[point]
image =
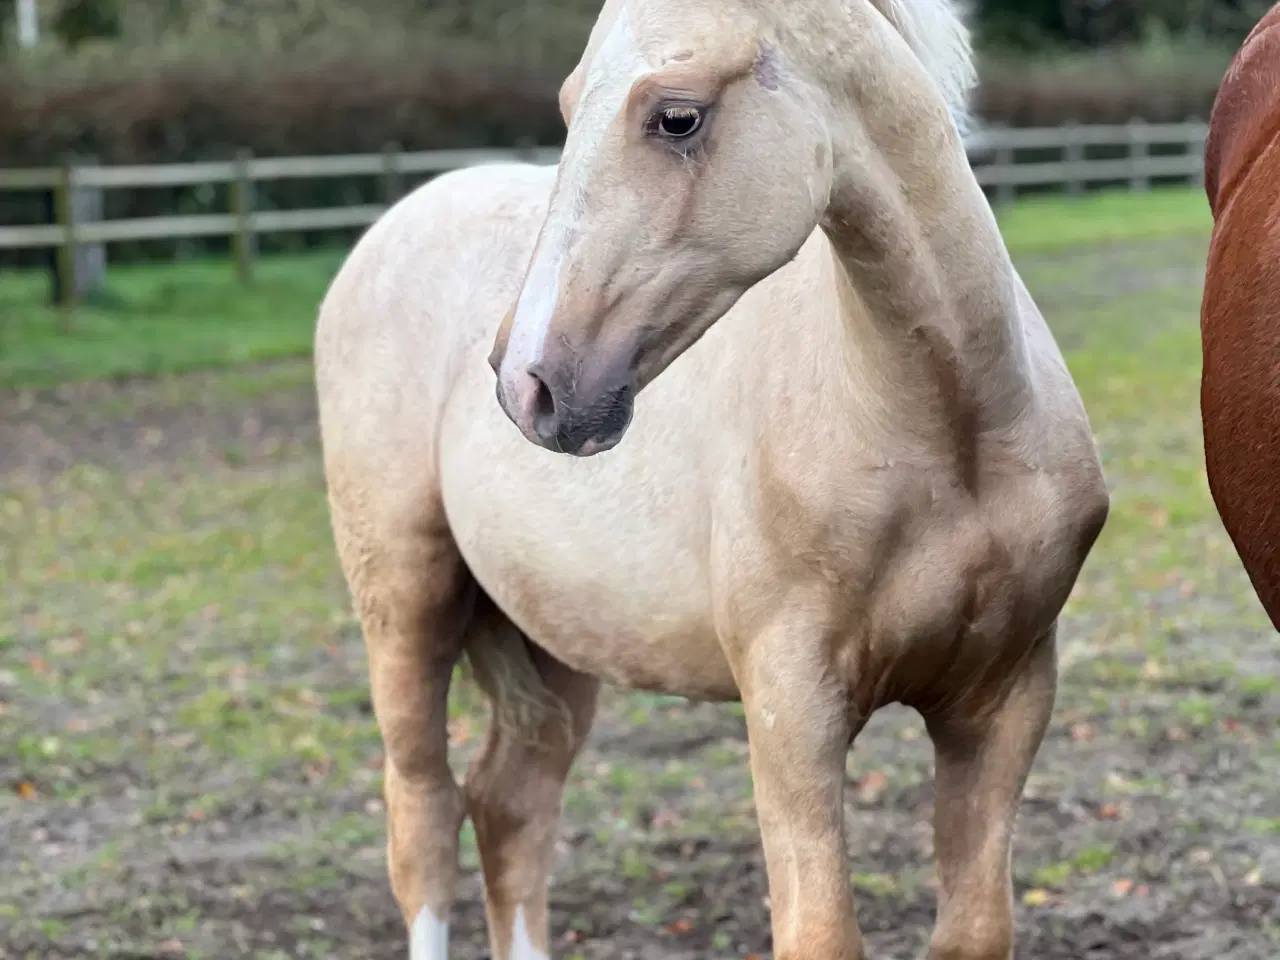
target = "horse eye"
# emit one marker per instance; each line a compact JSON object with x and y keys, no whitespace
{"x":677,"y":123}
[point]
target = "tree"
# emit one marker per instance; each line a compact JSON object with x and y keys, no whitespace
{"x":80,"y":20}
{"x":1092,"y":23}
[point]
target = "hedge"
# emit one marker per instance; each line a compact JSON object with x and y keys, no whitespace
{"x":356,"y":103}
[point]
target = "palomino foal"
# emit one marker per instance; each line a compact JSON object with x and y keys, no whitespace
{"x":1240,"y":309}
{"x":848,"y":468}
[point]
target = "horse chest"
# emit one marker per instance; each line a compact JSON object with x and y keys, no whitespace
{"x":901,"y":561}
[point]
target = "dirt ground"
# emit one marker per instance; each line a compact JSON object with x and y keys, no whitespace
{"x":190,"y":766}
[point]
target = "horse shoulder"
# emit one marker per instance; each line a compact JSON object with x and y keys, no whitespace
{"x":1246,"y":111}
{"x":1240,"y":386}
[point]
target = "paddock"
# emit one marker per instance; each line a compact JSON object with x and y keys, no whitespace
{"x":192,"y":767}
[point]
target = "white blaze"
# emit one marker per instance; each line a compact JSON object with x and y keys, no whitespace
{"x":617,"y":64}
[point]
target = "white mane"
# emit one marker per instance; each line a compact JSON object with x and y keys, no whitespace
{"x":937,"y":33}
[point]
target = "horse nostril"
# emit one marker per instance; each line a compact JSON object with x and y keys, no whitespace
{"x":546,"y":420}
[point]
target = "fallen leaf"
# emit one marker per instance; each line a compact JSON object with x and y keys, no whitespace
{"x":666,"y":817}
{"x":871,"y":787}
{"x":1109,"y":811}
{"x":1035,"y":897}
{"x":26,"y":790}
{"x":1141,"y":890}
{"x":310,"y":697}
{"x":1121,"y":887}
{"x":459,"y":729}
{"x":38,"y":665}
{"x":1081,"y":731}
{"x":1230,"y":725}
{"x":68,"y":645}
{"x":680,"y":926}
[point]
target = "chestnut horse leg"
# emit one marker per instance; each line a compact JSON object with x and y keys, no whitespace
{"x":798,"y":731}
{"x":515,"y":786}
{"x":983,"y":756}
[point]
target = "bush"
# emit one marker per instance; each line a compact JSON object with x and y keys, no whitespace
{"x":342,"y":104}
{"x":1035,"y":24}
{"x":1160,"y":81}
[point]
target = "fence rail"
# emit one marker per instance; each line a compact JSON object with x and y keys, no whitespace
{"x":993,"y":153}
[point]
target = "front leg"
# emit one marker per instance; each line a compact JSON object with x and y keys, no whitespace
{"x":984,"y":752}
{"x":798,"y":729}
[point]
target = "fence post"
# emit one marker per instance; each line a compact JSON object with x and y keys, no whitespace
{"x":1139,"y":149}
{"x":1073,"y":157}
{"x":79,"y":269}
{"x":1197,"y":133}
{"x":64,"y":215}
{"x":243,"y":240}
{"x":1006,"y":189}
{"x":392,"y":180}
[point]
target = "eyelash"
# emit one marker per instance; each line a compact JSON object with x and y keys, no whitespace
{"x":654,"y":127}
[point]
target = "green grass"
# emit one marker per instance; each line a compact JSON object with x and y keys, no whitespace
{"x":181,"y":655}
{"x":161,"y":319}
{"x":175,"y":318}
{"x":1038,"y":225}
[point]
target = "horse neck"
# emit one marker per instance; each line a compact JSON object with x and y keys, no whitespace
{"x":936,"y":295}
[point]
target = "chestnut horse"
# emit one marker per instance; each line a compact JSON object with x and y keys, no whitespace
{"x":788,"y":428}
{"x":1240,"y":310}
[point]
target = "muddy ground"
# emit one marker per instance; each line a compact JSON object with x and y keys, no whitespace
{"x":190,"y":766}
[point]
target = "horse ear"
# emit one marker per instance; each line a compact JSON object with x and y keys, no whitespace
{"x":570,"y":90}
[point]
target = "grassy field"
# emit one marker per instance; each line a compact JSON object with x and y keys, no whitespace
{"x":191,"y":766}
{"x":168,"y":320}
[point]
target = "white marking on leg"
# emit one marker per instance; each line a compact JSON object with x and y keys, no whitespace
{"x":429,"y":939}
{"x":522,"y":947}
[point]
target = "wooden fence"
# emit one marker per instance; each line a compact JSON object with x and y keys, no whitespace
{"x":1139,"y":153}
